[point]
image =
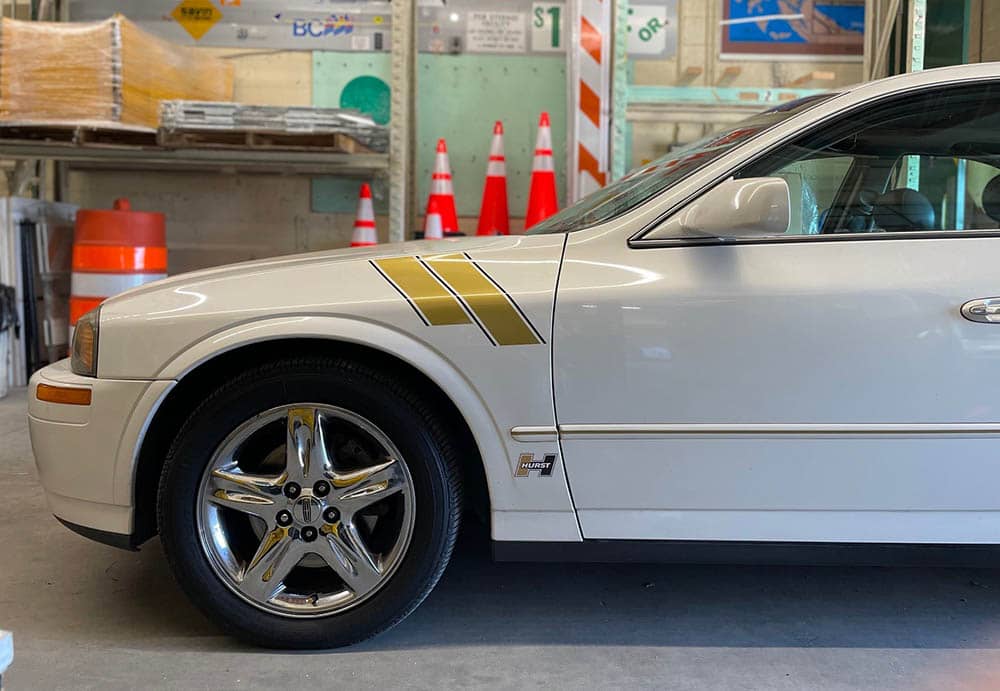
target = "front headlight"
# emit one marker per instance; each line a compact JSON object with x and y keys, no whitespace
{"x":83,"y":360}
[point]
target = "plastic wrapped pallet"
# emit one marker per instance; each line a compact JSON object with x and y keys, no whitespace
{"x":110,"y":71}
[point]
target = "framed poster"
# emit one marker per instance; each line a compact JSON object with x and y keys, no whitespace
{"x":793,"y":29}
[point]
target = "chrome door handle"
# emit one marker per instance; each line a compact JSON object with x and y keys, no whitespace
{"x":985,"y":310}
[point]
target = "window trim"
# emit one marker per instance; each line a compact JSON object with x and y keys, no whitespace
{"x":838,"y":237}
{"x":638,"y":240}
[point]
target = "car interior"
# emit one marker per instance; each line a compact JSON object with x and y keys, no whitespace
{"x":924,"y":165}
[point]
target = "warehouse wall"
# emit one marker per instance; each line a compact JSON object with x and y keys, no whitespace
{"x":697,"y":63}
{"x":219,"y":218}
{"x":984,"y":30}
{"x":459,"y":97}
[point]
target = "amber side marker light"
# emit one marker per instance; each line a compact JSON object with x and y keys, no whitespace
{"x":63,"y":394}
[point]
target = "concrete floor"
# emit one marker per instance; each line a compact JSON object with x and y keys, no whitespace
{"x":89,"y":616}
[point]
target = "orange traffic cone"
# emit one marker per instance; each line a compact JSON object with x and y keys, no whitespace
{"x":364,"y":226}
{"x":432,"y":223}
{"x":442,"y":190}
{"x":493,"y":216}
{"x":542,"y":201}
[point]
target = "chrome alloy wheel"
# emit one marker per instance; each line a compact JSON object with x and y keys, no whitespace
{"x":305,"y":510}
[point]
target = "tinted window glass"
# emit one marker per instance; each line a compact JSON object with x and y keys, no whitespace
{"x":648,"y":181}
{"x":928,"y":162}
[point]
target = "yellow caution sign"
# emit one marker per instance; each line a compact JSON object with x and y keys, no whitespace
{"x":196,"y":16}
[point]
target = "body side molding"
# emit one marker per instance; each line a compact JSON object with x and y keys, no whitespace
{"x":576,"y":431}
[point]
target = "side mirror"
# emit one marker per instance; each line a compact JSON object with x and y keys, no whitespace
{"x":751,"y":207}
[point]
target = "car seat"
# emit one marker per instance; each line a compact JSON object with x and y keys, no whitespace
{"x":991,"y":199}
{"x":903,"y":209}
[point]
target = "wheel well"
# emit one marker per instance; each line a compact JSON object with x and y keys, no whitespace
{"x":194,"y":386}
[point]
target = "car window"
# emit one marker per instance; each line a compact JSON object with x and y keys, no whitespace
{"x":920,"y":162}
{"x":648,"y":181}
{"x":910,"y":165}
{"x":812,"y":187}
{"x":955,"y":186}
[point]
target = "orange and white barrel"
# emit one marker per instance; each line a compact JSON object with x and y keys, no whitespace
{"x":114,"y":250}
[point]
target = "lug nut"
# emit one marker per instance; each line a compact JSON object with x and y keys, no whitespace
{"x":309,"y":533}
{"x":283,"y":518}
{"x":331,"y":515}
{"x":321,"y":488}
{"x":292,"y":490}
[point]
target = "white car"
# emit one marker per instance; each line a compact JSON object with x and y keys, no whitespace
{"x":781,"y":342}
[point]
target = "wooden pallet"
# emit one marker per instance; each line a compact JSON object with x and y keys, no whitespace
{"x":78,"y":134}
{"x":253,"y":139}
{"x":110,"y":134}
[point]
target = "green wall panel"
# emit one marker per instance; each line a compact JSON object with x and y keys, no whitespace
{"x":332,"y":72}
{"x":459,"y":97}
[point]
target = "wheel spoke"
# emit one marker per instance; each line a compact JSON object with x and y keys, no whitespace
{"x":252,"y":494}
{"x":366,"y":486}
{"x":264,"y":575}
{"x":345,"y":552}
{"x":307,"y":458}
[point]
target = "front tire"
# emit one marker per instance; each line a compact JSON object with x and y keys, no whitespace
{"x":310,"y":503}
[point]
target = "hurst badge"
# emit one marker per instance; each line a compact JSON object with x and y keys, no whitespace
{"x":527,"y":464}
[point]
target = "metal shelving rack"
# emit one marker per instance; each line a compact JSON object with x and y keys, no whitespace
{"x":402,"y":119}
{"x":126,"y":157}
{"x":395,"y":164}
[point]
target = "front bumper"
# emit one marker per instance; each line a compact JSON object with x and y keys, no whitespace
{"x":85,"y":454}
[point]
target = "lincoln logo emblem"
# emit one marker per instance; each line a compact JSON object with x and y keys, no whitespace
{"x":306,"y":507}
{"x":526,"y":464}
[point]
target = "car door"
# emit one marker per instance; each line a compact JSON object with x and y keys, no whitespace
{"x":818,"y":385}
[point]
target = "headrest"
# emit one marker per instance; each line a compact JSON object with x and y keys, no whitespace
{"x":903,"y":209}
{"x":991,"y":198}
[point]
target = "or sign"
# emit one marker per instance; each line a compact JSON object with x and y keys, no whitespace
{"x":793,"y":29}
{"x":496,"y":32}
{"x":547,"y":26}
{"x":196,"y":16}
{"x":652,"y":29}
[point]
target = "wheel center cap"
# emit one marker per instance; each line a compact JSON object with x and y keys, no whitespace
{"x":307,"y":509}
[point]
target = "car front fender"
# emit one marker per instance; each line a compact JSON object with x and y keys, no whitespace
{"x":522,"y":508}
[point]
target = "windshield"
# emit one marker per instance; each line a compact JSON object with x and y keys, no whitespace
{"x":648,"y":181}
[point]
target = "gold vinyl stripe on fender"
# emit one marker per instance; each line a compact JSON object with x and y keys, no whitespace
{"x":492,"y":307}
{"x":431,"y":299}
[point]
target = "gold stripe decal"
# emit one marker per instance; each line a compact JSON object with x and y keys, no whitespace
{"x":492,"y":307}
{"x":451,"y":288}
{"x":433,"y":302}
